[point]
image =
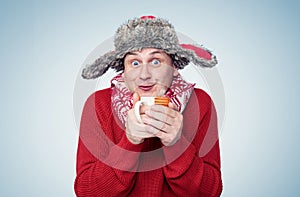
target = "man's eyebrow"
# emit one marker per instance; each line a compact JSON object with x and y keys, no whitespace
{"x":156,"y":52}
{"x":131,"y":53}
{"x":152,"y":53}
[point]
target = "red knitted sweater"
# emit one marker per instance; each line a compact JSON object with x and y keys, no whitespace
{"x":109,"y":165}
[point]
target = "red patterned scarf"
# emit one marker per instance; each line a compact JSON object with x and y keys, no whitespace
{"x":121,"y":99}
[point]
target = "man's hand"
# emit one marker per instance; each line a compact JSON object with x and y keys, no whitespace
{"x":164,"y":123}
{"x":135,"y":131}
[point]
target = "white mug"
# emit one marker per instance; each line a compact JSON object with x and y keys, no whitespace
{"x":148,"y":101}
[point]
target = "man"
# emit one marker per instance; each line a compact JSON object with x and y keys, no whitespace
{"x":160,"y":154}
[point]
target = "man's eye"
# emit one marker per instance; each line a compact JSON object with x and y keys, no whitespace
{"x":135,"y":63}
{"x":155,"y":62}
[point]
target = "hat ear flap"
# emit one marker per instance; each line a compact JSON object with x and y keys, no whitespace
{"x":200,"y":56}
{"x":99,"y":66}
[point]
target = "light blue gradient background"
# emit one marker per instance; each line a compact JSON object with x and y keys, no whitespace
{"x":44,"y":43}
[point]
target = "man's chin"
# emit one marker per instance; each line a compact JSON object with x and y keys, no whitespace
{"x":147,"y":94}
{"x":153,"y":93}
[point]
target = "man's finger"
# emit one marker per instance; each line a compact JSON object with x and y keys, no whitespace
{"x":135,"y":98}
{"x":173,"y":106}
{"x":158,"y":109}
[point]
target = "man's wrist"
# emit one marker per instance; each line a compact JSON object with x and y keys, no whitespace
{"x":134,"y":140}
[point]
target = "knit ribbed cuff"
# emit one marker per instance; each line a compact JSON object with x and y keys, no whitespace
{"x":124,"y":156}
{"x":179,"y":156}
{"x":127,"y":145}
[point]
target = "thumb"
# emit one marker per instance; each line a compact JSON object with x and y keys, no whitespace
{"x":135,"y":98}
{"x":172,"y":106}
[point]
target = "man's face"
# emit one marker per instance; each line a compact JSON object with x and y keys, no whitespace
{"x":149,"y":72}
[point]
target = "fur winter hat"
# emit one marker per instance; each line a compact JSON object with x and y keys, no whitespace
{"x":148,"y":32}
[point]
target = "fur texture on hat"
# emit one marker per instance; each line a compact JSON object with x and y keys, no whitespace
{"x":147,"y":32}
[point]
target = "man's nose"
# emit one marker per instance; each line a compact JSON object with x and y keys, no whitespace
{"x":145,"y":72}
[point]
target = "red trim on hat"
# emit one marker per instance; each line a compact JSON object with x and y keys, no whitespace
{"x":199,"y":51}
{"x":148,"y":17}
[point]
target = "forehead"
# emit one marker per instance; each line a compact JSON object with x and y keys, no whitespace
{"x":147,"y":52}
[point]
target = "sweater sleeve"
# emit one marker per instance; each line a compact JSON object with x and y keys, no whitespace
{"x":197,"y":170}
{"x":100,"y":162}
